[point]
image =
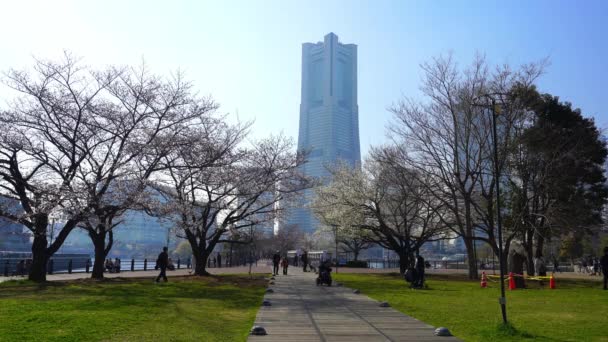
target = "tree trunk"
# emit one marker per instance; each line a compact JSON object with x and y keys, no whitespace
{"x":201,"y":263}
{"x":469,"y":244}
{"x":356,"y":255}
{"x":40,"y":257}
{"x":101,"y":252}
{"x":540,"y":245}
{"x":517,"y":267}
{"x":405,"y":260}
{"x":468,"y":239}
{"x":529,"y":246}
{"x":100,"y":258}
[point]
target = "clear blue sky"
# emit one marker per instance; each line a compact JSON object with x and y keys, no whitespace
{"x":247,"y":54}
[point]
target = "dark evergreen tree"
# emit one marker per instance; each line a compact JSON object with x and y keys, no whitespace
{"x":557,"y":180}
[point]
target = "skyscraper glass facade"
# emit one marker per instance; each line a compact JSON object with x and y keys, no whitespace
{"x":329,"y":114}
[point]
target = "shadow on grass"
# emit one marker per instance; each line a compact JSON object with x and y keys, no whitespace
{"x":234,"y":291}
{"x":562,"y":283}
{"x":509,"y":332}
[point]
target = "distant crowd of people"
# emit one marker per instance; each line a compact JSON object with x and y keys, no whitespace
{"x":590,"y":265}
{"x":23,"y":267}
{"x":299,"y":260}
{"x":596,"y":266}
{"x":112,"y":266}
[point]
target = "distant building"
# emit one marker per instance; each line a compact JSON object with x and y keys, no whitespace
{"x":138,"y":236}
{"x":14,"y":237}
{"x":329,"y":114}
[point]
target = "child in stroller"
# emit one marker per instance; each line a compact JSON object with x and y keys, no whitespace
{"x":324,"y":274}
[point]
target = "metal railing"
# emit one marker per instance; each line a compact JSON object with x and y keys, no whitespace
{"x":454,"y":265}
{"x":11,"y":266}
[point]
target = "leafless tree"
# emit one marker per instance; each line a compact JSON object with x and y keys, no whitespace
{"x":448,"y":139}
{"x":81,"y":144}
{"x":41,"y":148}
{"x":137,"y":125}
{"x":220,"y":189}
{"x":395,"y":208}
{"x":287,"y":238}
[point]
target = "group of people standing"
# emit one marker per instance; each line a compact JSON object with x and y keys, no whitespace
{"x":591,"y":265}
{"x":278,"y":260}
{"x":112,"y":266}
{"x":23,"y":267}
{"x":415,"y":275}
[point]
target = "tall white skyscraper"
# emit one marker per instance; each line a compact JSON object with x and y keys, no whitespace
{"x":329,"y":114}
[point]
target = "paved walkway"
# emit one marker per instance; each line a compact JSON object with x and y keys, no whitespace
{"x":301,"y":311}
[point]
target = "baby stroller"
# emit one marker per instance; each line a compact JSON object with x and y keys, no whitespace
{"x":411,"y":276}
{"x":324,"y":275}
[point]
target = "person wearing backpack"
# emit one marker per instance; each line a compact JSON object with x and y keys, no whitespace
{"x":162,"y":262}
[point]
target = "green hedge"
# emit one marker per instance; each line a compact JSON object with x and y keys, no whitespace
{"x":356,"y":263}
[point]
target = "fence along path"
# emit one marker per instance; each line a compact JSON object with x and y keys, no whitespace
{"x":301,"y":311}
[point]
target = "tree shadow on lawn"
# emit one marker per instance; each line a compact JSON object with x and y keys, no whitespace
{"x":233,"y":291}
{"x":510,"y":332}
{"x":561,"y":283}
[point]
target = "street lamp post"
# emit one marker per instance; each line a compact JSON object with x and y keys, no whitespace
{"x":502,"y":300}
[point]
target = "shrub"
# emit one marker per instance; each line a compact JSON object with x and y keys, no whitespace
{"x":356,"y":263}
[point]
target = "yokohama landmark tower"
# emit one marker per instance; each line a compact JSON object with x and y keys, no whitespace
{"x":329,"y":115}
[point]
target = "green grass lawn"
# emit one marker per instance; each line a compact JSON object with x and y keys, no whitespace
{"x":576,"y":311}
{"x":219,"y":308}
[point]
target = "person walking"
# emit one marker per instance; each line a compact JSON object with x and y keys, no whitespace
{"x":555,"y":265}
{"x":604,"y":264}
{"x":419,"y":272}
{"x":304,"y":260}
{"x":161,"y":262}
{"x":296,"y":258}
{"x":584,"y":265}
{"x":284,"y":264}
{"x":276,"y":259}
{"x":596,"y":266}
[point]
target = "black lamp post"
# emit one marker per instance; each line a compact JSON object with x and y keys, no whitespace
{"x":502,"y":300}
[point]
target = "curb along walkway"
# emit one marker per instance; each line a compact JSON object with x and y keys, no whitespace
{"x":301,"y":311}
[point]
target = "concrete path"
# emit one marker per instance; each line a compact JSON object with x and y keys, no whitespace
{"x":301,"y":311}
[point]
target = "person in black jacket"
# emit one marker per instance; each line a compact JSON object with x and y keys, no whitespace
{"x":604,"y":264}
{"x":161,"y":262}
{"x":276,"y":259}
{"x":304,"y":260}
{"x":419,"y":272}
